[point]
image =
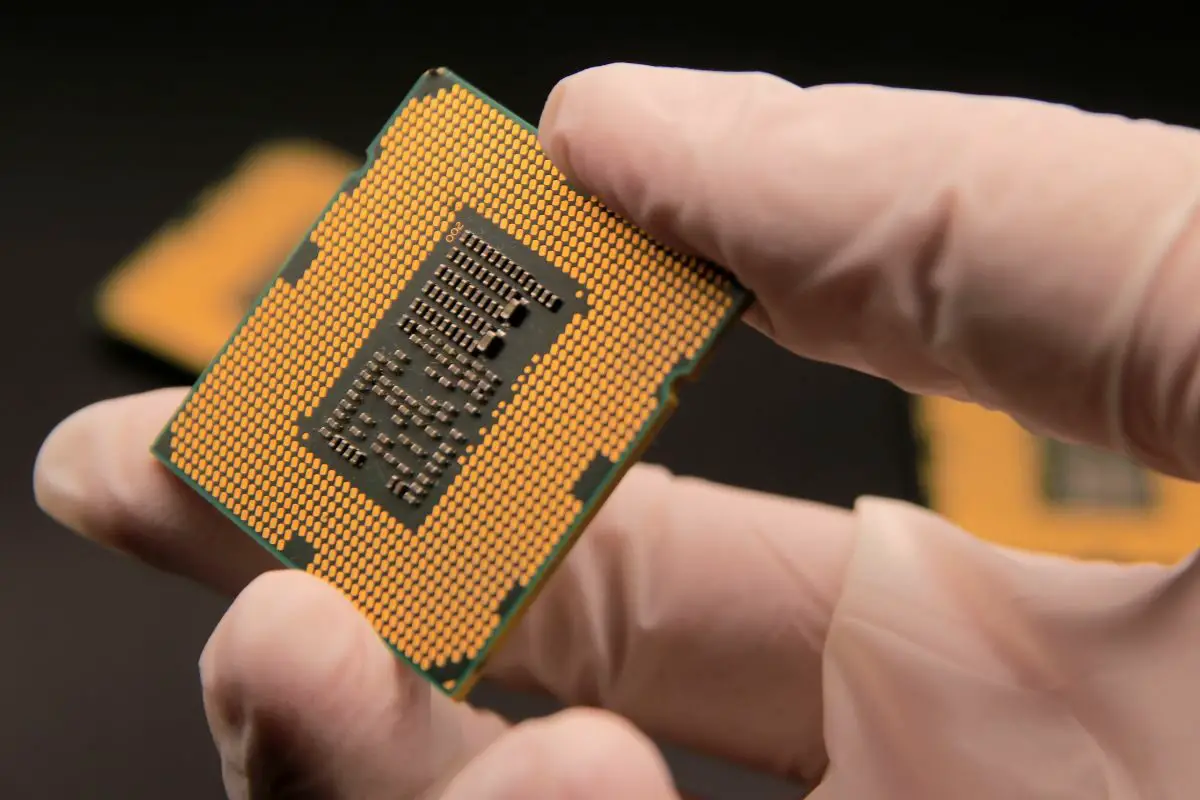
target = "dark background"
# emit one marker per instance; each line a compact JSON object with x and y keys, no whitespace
{"x":109,"y":125}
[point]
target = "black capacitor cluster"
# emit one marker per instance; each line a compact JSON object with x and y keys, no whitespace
{"x":462,"y":319}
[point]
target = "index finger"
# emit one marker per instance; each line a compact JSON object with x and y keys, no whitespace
{"x":1025,"y":256}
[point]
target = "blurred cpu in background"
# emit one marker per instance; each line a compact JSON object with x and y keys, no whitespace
{"x":991,"y":476}
{"x":184,"y":291}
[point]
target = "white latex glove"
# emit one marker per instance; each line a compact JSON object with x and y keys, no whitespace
{"x":1029,"y":257}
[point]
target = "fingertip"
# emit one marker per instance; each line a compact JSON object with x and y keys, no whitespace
{"x":583,"y":83}
{"x":79,"y":470}
{"x":588,"y":112}
{"x":556,"y":125}
{"x":288,"y":636}
{"x":54,"y":489}
{"x":649,"y":141}
{"x":95,"y":474}
{"x":594,"y":742}
{"x":578,"y":753}
{"x":610,"y":739}
{"x":295,"y":681}
{"x":297,"y":686}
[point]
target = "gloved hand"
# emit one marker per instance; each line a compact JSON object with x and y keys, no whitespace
{"x":1028,"y":257}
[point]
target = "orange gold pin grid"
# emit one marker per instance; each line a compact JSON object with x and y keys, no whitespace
{"x":434,"y":593}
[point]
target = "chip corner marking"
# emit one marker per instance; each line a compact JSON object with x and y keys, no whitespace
{"x":298,"y":551}
{"x":301,"y":259}
{"x":592,"y":478}
{"x":692,"y":363}
{"x":434,"y":78}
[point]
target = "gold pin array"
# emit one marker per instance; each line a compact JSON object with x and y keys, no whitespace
{"x":434,"y":592}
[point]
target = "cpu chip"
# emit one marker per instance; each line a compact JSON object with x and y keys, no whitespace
{"x":446,"y":379}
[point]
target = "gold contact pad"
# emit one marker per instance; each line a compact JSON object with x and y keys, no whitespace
{"x":433,"y":593}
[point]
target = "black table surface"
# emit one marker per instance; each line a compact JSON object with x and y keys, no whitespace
{"x":108,"y":126}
